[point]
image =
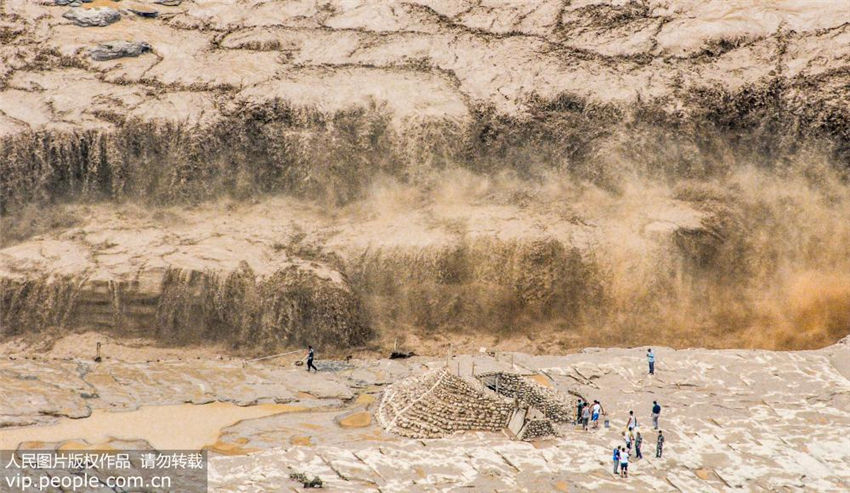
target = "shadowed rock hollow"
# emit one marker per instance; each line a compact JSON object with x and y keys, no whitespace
{"x":277,"y":172}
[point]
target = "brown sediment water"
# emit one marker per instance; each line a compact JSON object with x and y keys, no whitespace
{"x":231,"y":448}
{"x":356,"y":420}
{"x":300,"y":440}
{"x":182,"y":426}
{"x":561,"y":486}
{"x":101,"y":3}
{"x":365,"y":399}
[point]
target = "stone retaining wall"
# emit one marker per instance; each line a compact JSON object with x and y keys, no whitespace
{"x":440,"y":403}
{"x":548,"y":401}
{"x":537,"y":428}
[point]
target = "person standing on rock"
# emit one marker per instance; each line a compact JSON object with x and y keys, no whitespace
{"x":632,"y":424}
{"x":579,"y":408}
{"x":627,"y":438}
{"x":624,"y":462}
{"x":650,"y":357}
{"x":660,"y":446}
{"x":656,"y":412}
{"x":638,"y":441}
{"x":310,"y":360}
{"x":585,"y":417}
{"x":595,"y":411}
{"x":616,"y":459}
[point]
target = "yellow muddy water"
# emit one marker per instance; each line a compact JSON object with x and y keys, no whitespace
{"x":182,"y":426}
{"x":101,"y":3}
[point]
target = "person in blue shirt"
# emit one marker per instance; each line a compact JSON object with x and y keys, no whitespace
{"x":616,"y":460}
{"x":656,"y":412}
{"x":650,"y":356}
{"x":310,"y":360}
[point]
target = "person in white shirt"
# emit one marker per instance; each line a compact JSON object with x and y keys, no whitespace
{"x":624,"y":462}
{"x":632,"y":424}
{"x":596,"y":410}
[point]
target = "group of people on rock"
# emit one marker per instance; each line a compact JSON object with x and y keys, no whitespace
{"x":632,"y":437}
{"x":622,"y":453}
{"x":587,"y":413}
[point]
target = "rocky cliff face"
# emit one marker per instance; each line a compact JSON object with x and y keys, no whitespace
{"x":608,"y":172}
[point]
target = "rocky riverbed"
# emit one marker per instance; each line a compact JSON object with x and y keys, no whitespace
{"x":732,"y":419}
{"x":195,"y":183}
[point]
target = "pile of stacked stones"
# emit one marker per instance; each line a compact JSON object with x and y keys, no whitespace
{"x":537,"y":428}
{"x":549,"y":402}
{"x":438,"y":404}
{"x":401,"y":394}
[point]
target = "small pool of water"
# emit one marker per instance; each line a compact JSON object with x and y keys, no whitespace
{"x":182,"y":426}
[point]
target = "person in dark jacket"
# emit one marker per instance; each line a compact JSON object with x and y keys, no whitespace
{"x":660,"y":447}
{"x":656,"y":412}
{"x":310,"y":359}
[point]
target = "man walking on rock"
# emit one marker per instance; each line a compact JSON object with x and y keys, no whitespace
{"x":660,"y":447}
{"x":310,"y":360}
{"x":656,"y":412}
{"x":650,"y":357}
